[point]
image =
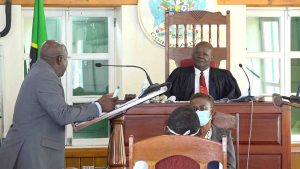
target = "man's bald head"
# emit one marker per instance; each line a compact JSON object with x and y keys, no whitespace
{"x":205,"y":45}
{"x":51,"y":49}
{"x":56,"y":55}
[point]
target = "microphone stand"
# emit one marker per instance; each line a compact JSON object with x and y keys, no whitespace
{"x":249,"y":97}
{"x":152,"y":87}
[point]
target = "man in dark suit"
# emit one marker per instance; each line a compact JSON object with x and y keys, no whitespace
{"x":202,"y":78}
{"x":204,"y":106}
{"x":36,"y":139}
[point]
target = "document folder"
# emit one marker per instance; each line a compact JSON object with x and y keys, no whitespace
{"x":120,"y":109}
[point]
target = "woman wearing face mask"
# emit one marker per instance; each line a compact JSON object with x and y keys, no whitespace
{"x":204,"y":106}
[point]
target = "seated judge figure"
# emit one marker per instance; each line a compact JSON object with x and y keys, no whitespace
{"x":36,"y":139}
{"x":186,"y":81}
{"x":204,"y":106}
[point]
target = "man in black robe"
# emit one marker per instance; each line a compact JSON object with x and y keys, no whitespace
{"x":220,"y":82}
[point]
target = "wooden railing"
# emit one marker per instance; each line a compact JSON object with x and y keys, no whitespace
{"x":78,"y":157}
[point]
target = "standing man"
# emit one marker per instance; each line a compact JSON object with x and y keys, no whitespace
{"x":36,"y":139}
{"x":202,"y":78}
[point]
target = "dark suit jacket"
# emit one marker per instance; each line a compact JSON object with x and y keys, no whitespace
{"x":221,"y":84}
{"x":37,"y":138}
{"x":217,"y":134}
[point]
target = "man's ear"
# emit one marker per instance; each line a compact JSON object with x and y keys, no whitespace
{"x":59,"y":60}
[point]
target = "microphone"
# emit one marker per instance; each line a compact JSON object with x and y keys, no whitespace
{"x":148,"y":77}
{"x":150,"y":89}
{"x":253,"y":72}
{"x":249,"y":89}
{"x":292,"y":98}
{"x":298,"y":91}
{"x":278,"y":102}
{"x":246,"y":98}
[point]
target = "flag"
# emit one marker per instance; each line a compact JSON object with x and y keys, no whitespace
{"x":39,"y":31}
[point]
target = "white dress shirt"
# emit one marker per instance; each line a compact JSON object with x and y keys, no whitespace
{"x":99,"y":108}
{"x":197,"y":79}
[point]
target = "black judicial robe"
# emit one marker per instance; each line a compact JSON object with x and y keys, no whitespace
{"x":221,"y":84}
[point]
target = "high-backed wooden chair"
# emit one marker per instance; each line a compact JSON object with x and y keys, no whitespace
{"x":230,"y":122}
{"x":184,"y":30}
{"x":154,"y":149}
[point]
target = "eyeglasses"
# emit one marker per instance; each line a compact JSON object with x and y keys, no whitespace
{"x":201,"y":107}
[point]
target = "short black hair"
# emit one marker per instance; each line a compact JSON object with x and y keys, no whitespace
{"x":204,"y":96}
{"x":182,"y":119}
{"x":204,"y":44}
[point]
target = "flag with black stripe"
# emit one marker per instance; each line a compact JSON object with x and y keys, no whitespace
{"x":39,"y":31}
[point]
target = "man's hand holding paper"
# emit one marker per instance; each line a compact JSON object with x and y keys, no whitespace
{"x":107,"y":102}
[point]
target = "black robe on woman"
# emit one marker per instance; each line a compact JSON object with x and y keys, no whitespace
{"x":221,"y":84}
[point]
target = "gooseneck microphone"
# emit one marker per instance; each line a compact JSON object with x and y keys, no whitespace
{"x":150,"y":89}
{"x":148,"y":77}
{"x":246,"y":98}
{"x":292,"y":98}
{"x":249,"y":89}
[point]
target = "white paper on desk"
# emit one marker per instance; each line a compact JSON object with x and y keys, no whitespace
{"x":120,"y":110}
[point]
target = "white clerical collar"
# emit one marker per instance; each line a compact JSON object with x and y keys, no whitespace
{"x":205,"y":72}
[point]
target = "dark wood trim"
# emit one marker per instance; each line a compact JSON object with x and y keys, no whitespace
{"x":78,"y":157}
{"x":86,"y":152}
{"x":75,"y":3}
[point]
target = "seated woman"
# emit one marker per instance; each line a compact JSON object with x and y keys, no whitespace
{"x":204,"y":106}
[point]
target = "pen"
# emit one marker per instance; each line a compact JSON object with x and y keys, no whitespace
{"x":116,"y":93}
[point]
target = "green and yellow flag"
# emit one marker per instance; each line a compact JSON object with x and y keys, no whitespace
{"x":39,"y":31}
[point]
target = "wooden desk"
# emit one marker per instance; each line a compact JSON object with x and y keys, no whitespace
{"x":271,"y":133}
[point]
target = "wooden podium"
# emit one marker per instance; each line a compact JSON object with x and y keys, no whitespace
{"x":271,"y":132}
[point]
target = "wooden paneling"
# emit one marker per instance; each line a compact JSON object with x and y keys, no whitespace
{"x":261,"y":161}
{"x":268,"y":125}
{"x":286,"y":2}
{"x":270,"y":142}
{"x":76,"y":3}
{"x":295,"y":159}
{"x":72,"y":162}
{"x":78,"y":157}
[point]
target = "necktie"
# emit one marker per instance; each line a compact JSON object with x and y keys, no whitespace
{"x":202,"y":86}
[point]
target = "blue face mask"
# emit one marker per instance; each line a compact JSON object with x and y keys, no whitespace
{"x":204,"y":116}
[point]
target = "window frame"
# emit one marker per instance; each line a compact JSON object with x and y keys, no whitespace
{"x":277,"y":12}
{"x":66,"y":15}
{"x":293,"y":12}
{"x":285,"y":42}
